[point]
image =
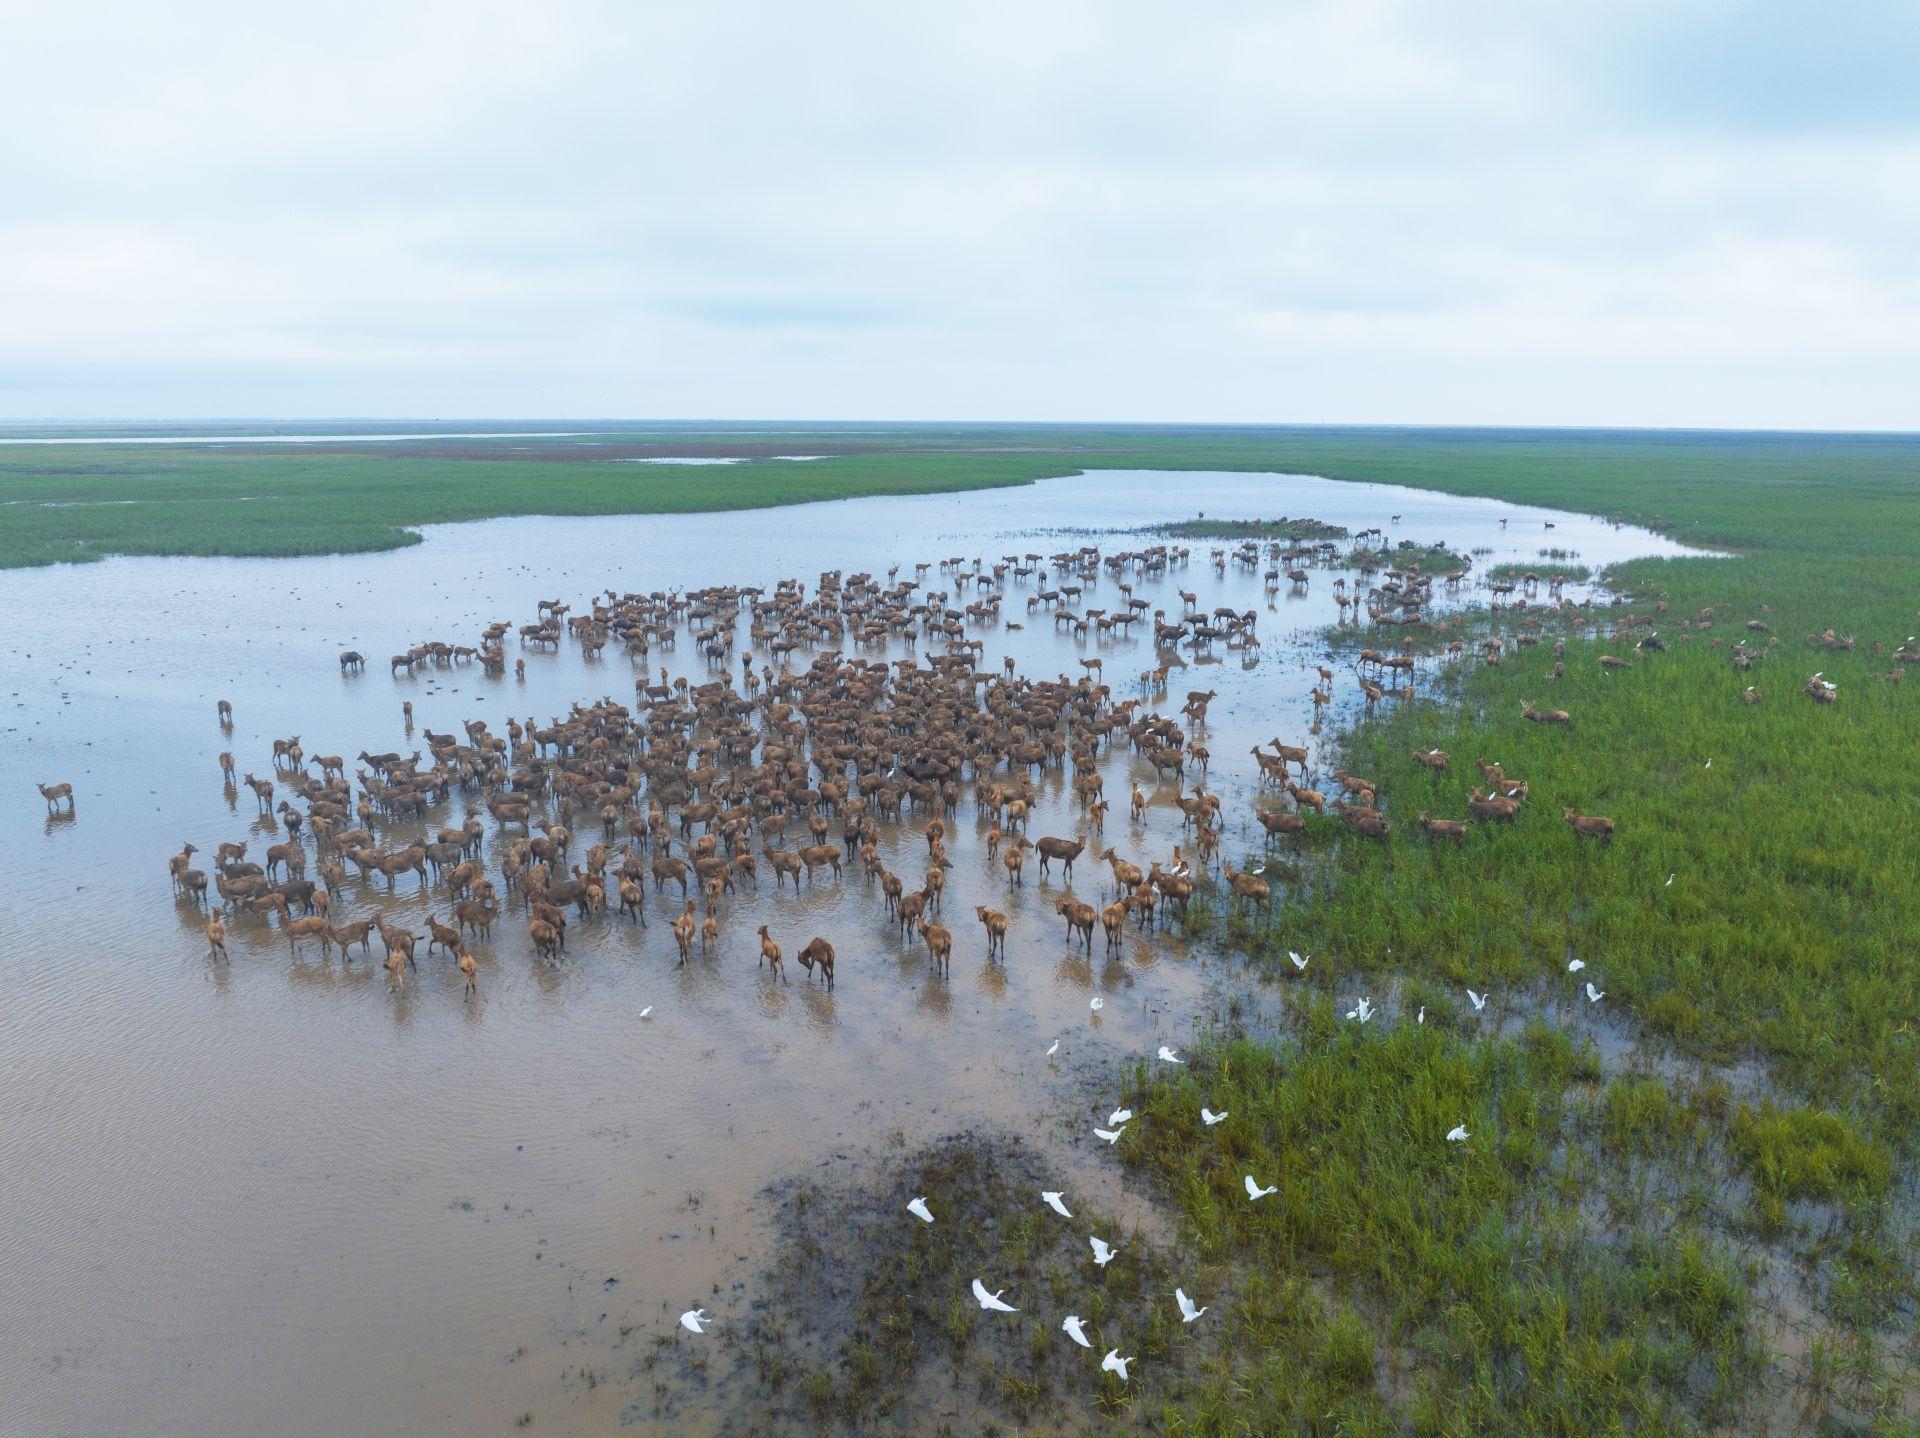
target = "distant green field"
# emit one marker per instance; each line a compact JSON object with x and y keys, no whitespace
{"x":80,"y":503}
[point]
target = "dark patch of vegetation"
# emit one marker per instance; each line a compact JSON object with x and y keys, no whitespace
{"x":1290,"y":531}
{"x":867,"y":1310}
{"x":1427,"y":558}
{"x":1545,"y":573}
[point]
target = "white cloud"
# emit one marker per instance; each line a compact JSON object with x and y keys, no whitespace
{"x":1332,"y":211}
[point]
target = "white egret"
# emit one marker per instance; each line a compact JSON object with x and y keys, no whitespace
{"x":1479,"y":1000}
{"x":1595,"y":995}
{"x":1170,"y":1056}
{"x":1118,"y":1117}
{"x":1458,"y":1134}
{"x":1114,"y":1363}
{"x":1054,"y":1049}
{"x":1053,"y":1201}
{"x":1102,"y":1252}
{"x":1361,"y":1011}
{"x":990,"y":1302}
{"x":1254,"y":1191}
{"x":693,"y":1318}
{"x":1209,"y":1117}
{"x":1110,"y":1135}
{"x":1670,"y":879}
{"x":1075,"y":1328}
{"x":1299,"y":960}
{"x":1187,"y":1311}
{"x":918,"y":1208}
{"x":1097,"y":1004}
{"x":646,"y":1011}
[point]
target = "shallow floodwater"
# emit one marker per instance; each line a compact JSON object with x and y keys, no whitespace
{"x":273,"y":1196}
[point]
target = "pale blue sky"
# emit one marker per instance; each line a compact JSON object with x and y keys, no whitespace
{"x":1474,"y":212}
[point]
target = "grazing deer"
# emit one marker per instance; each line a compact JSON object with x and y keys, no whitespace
{"x":1249,"y":888}
{"x":1590,"y":826}
{"x":817,"y":954}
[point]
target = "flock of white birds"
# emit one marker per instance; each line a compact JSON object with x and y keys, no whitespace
{"x":698,"y":1320}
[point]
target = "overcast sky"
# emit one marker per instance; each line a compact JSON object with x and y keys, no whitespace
{"x":1606,"y":213}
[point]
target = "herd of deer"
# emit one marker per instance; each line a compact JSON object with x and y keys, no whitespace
{"x":700,"y":785}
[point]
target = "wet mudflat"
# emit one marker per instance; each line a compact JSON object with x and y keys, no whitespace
{"x":275,"y":1196}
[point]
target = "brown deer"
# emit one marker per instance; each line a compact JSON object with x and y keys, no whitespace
{"x":1455,"y":829}
{"x":1079,"y":919}
{"x":1289,"y":754}
{"x":633,"y":895}
{"x":910,"y":909}
{"x":1176,"y":888}
{"x":939,"y":946}
{"x":54,"y":793}
{"x":1249,"y":888}
{"x":1065,"y":850}
{"x":1483,"y":807}
{"x":217,"y":933}
{"x":309,"y":928}
{"x":1588,"y":825}
{"x":546,"y":939}
{"x":821,"y":856}
{"x":817,"y":954}
{"x":1278,"y":821}
{"x":1143,"y":901}
{"x":1113,"y":918}
{"x":1126,"y":877}
{"x":770,"y":956}
{"x":470,"y":971}
{"x":995,"y":924}
{"x":1545,"y":716}
{"x":1015,"y":858}
{"x":684,"y":929}
{"x":1308,"y":798}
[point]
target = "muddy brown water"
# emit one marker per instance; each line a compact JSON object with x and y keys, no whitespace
{"x":274,"y":1196}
